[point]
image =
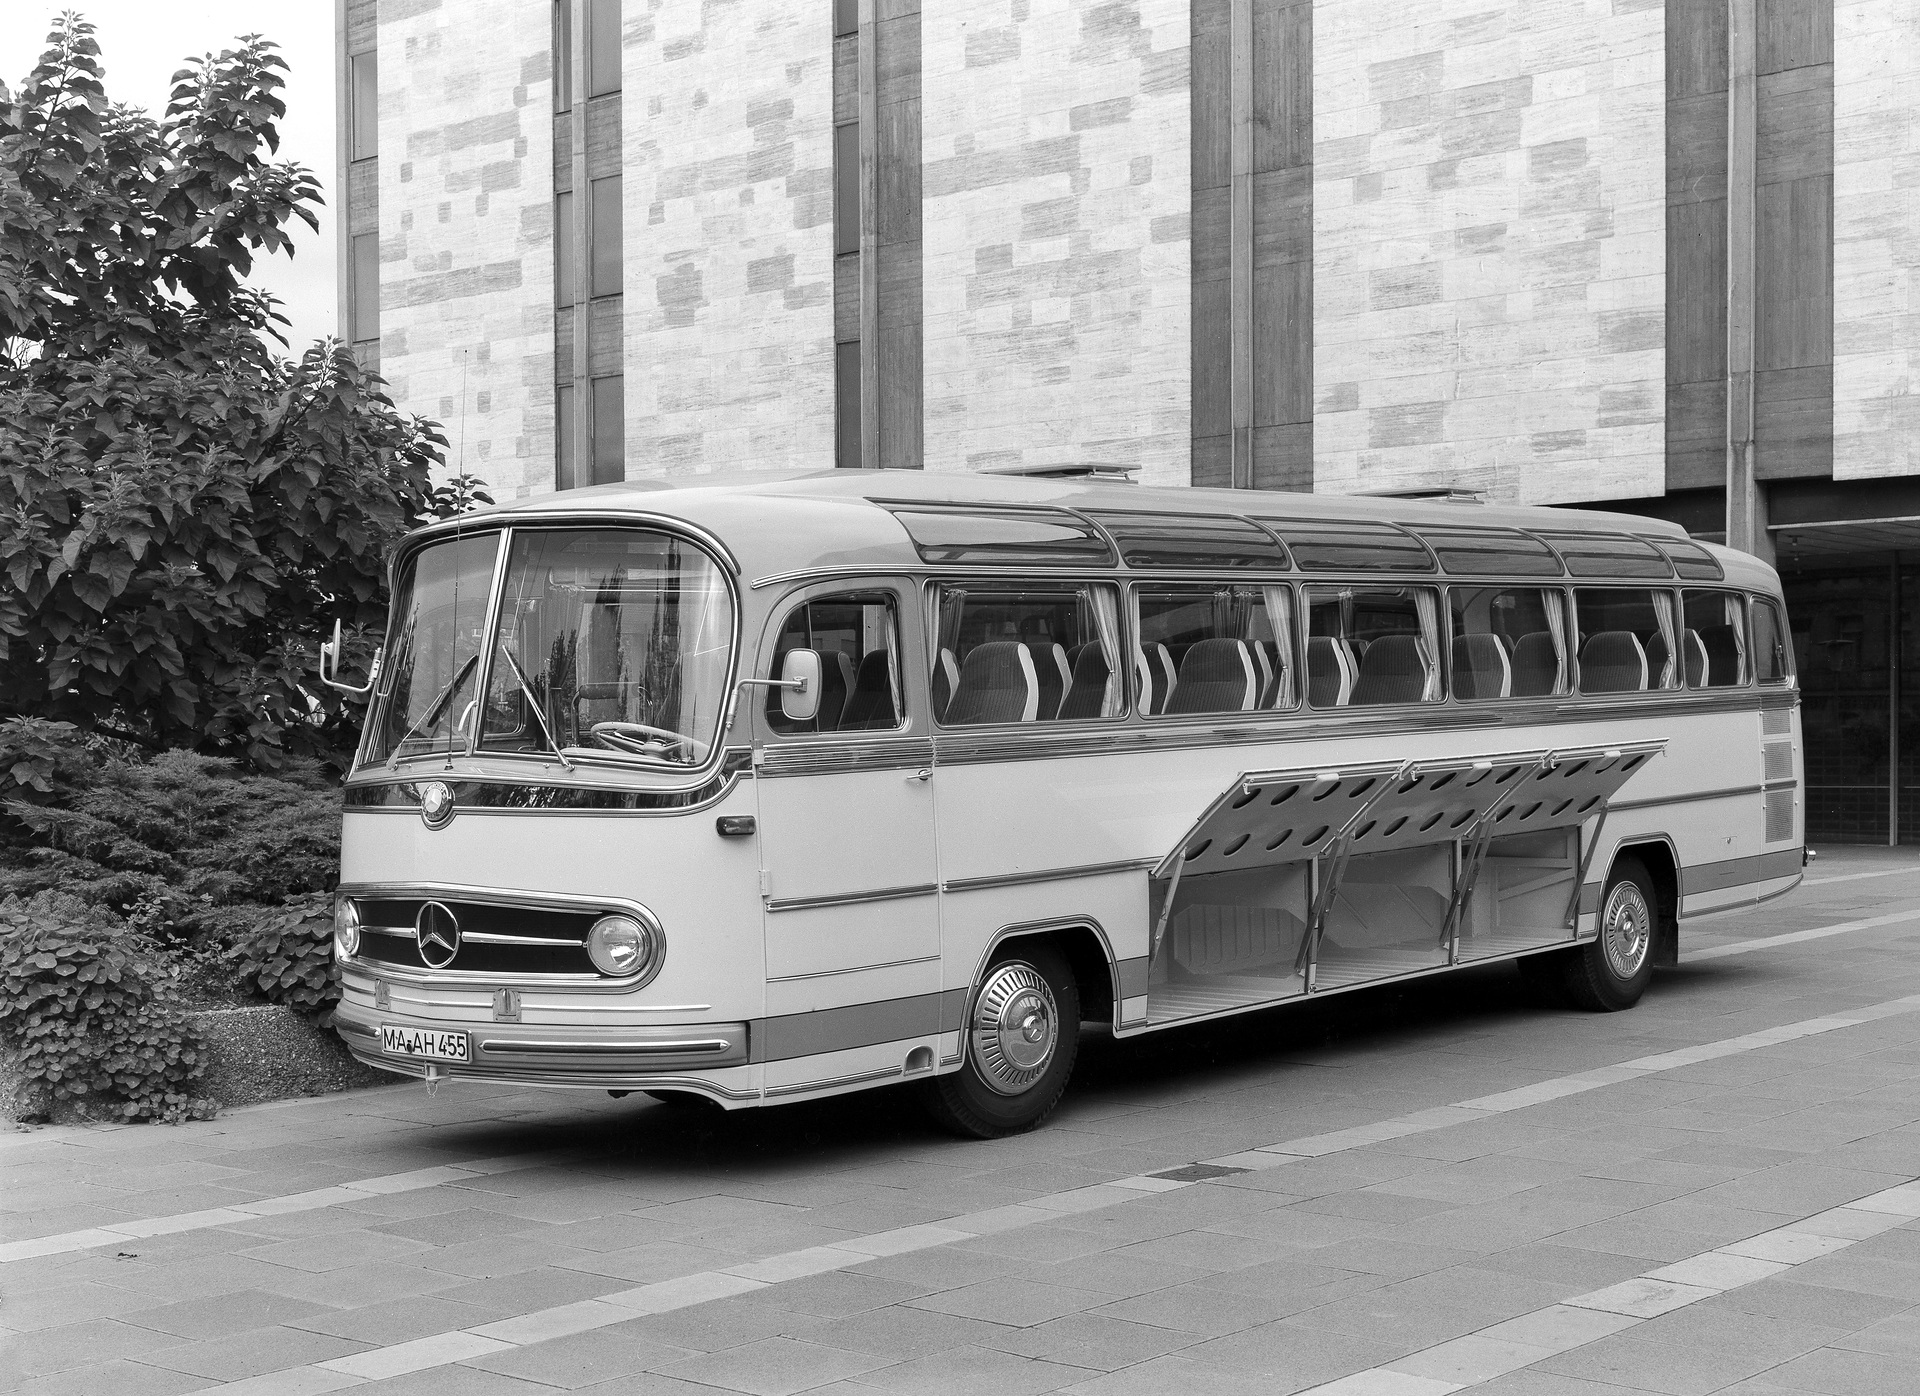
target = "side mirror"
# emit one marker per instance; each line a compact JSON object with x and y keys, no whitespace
{"x":800,"y":685}
{"x":330,"y":666}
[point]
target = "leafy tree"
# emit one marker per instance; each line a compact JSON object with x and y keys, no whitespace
{"x":183,"y":512}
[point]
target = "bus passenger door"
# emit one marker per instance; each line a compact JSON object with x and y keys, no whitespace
{"x":848,"y":878}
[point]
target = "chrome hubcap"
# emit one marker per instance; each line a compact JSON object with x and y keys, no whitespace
{"x":1015,"y":1028}
{"x":1626,"y":930}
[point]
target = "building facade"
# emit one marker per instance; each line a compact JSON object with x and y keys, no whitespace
{"x":1651,"y":254}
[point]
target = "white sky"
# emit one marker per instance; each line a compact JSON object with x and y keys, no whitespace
{"x":142,"y":44}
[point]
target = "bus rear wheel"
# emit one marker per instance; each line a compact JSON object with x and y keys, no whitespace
{"x":1021,"y":1037}
{"x":1610,"y":972}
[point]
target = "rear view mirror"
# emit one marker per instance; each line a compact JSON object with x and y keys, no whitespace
{"x":800,"y":685}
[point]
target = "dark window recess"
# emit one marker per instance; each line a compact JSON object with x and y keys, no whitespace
{"x":1609,"y":555}
{"x":857,"y":639}
{"x":609,"y":429}
{"x":563,"y":477}
{"x":1190,"y":540}
{"x":563,"y":273}
{"x":846,"y":188}
{"x":1693,"y":562}
{"x":562,"y":55}
{"x":1491,"y":552}
{"x":846,"y":17}
{"x":846,"y":405}
{"x":603,"y":47}
{"x":1027,"y":538}
{"x":1351,"y":547}
{"x":604,"y":237}
{"x":364,"y":99}
{"x":366,"y":287}
{"x":1772,"y":652}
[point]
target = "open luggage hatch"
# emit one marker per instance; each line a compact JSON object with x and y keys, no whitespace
{"x":1309,"y":879}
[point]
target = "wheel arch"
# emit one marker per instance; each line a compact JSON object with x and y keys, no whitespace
{"x":1656,"y":854}
{"x":1082,"y":942}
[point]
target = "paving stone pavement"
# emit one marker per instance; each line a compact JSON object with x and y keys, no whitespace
{"x":1445,"y":1188}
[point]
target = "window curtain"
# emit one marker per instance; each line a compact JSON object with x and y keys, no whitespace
{"x":1736,"y":622}
{"x":1426,"y":602}
{"x":892,"y":640}
{"x":1663,"y":608}
{"x":1556,"y":607}
{"x":1142,"y":671}
{"x":1279,"y":604}
{"x":1106,"y":619}
{"x":946,"y":632}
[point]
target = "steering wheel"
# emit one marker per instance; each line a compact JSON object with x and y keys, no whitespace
{"x":621,"y":737}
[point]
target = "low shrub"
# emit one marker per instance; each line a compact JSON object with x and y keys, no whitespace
{"x":82,"y":1014}
{"x":288,"y":956}
{"x":178,"y":842}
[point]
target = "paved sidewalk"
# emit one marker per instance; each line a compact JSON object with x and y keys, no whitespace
{"x":1411,"y":1192}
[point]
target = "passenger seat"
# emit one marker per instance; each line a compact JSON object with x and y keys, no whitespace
{"x":1330,"y":672}
{"x":1612,"y":661}
{"x":997,"y":684}
{"x":1481,"y":668}
{"x":1393,"y":670}
{"x":1216,"y":676}
{"x":1535,"y":665}
{"x":1087,"y":692}
{"x":871,"y":705}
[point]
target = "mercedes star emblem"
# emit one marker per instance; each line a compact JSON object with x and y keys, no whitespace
{"x":436,"y":804}
{"x":436,"y":930}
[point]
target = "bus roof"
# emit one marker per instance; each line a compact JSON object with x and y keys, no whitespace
{"x":776,"y":522}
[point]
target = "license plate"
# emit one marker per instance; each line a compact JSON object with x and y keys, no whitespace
{"x":423,"y":1042}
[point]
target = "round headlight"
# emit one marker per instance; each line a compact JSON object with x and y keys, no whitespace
{"x":346,"y":926}
{"x":621,"y":946}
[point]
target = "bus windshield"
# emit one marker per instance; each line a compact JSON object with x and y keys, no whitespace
{"x":610,"y":641}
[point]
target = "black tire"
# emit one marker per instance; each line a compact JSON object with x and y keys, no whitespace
{"x":1009,"y":1081}
{"x":1611,"y":971}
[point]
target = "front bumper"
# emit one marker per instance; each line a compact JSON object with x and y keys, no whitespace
{"x":628,"y":1057}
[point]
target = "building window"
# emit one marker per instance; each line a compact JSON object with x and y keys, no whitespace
{"x":603,"y":238}
{"x":846,"y":188}
{"x":846,"y":18}
{"x":603,"y":47}
{"x":609,"y":429}
{"x":563,"y":436}
{"x":846,"y":405}
{"x":562,"y":55}
{"x":366,"y":287}
{"x":563,"y":269}
{"x":363,"y":103}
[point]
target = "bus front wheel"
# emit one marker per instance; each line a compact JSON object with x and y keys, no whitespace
{"x":1021,"y":1037}
{"x":1611,"y":971}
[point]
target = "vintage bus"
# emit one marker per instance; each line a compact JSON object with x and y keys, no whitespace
{"x":781,"y":786}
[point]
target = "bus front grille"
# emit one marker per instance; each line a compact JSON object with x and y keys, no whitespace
{"x":493,"y":939}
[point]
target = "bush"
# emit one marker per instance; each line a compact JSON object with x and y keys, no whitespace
{"x":288,"y":956}
{"x":174,"y":842}
{"x":79,"y":1011}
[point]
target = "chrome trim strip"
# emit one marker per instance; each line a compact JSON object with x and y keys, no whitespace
{"x":1740,"y":906}
{"x":881,"y":894}
{"x":795,"y":1089}
{"x":975,"y":884}
{"x":489,"y":938}
{"x":591,"y":1049}
{"x":598,"y":1082}
{"x":1693,"y":797}
{"x":829,"y":757}
{"x":854,"y":969}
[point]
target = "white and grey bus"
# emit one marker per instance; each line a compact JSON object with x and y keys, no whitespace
{"x":778,"y":787}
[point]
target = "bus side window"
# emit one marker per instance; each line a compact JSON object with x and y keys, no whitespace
{"x":1769,"y":647}
{"x":1372,"y":645}
{"x":1713,"y":639}
{"x":1628,"y":640}
{"x":857,"y":637}
{"x":1018,"y":653}
{"x":1508,"y":642}
{"x":1214,"y":649}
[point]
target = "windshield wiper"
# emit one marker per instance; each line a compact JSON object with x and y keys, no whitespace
{"x":532,"y":702}
{"x":434,"y":709}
